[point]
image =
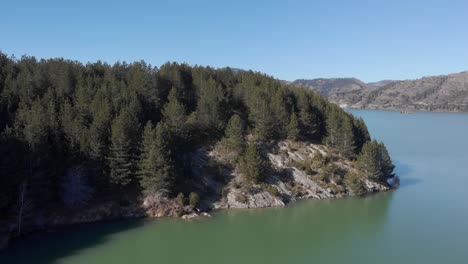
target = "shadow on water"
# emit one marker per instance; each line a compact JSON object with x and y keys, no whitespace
{"x":42,"y":248}
{"x":403,"y":171}
{"x":318,"y":227}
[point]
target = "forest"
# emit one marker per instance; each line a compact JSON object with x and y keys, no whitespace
{"x":97,"y":130}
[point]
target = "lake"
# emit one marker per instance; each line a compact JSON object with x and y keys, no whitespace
{"x":424,"y":221}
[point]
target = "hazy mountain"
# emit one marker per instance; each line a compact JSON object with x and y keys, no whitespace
{"x":434,"y":93}
{"x":379,"y":83}
{"x":327,"y":87}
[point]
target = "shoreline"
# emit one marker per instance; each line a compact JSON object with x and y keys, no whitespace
{"x":402,"y":110}
{"x":289,"y":179}
{"x":8,"y":239}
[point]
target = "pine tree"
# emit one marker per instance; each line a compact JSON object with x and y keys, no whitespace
{"x":293,"y":127}
{"x":375,"y":161}
{"x":252,"y":164}
{"x":122,"y":151}
{"x":262,"y":117}
{"x":157,"y":172}
{"x":174,"y":113}
{"x":280,"y":114}
{"x":386,"y":163}
{"x":100,"y":131}
{"x":234,"y":133}
{"x":210,"y":107}
{"x":308,"y":117}
{"x":333,"y":128}
{"x":369,"y":160}
{"x":346,"y":145}
{"x":147,"y":140}
{"x":361,"y":133}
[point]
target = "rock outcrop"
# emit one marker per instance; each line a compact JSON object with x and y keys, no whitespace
{"x":286,"y":182}
{"x":290,"y":178}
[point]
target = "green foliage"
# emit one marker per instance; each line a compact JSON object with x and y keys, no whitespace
{"x":361,"y":133}
{"x":122,"y":151}
{"x":340,"y":133}
{"x":354,"y":181}
{"x":252,"y":164}
{"x":329,"y":171}
{"x":375,"y":161}
{"x":211,"y":106}
{"x":271,"y":189}
{"x":304,"y":165}
{"x":181,"y":198}
{"x":234,"y":134}
{"x":174,"y":113}
{"x":261,"y":117}
{"x":319,"y":160}
{"x":194,"y":199}
{"x":156,"y":169}
{"x":279,"y":104}
{"x":57,"y":114}
{"x":293,"y":127}
{"x":309,"y":117}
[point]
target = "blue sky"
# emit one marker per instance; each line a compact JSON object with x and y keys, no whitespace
{"x":370,"y":40}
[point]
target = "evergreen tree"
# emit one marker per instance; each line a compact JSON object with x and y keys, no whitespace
{"x":293,"y":127}
{"x":340,"y":132}
{"x":56,"y":115}
{"x":252,"y":164}
{"x":280,"y":114}
{"x":157,"y":173}
{"x":368,"y":160}
{"x":122,"y":155}
{"x":386,"y":163}
{"x":100,"y":132}
{"x":375,"y":161}
{"x":308,"y":117}
{"x":210,"y":107}
{"x":333,"y":128}
{"x":147,"y":140}
{"x":346,"y":145}
{"x":361,"y":133}
{"x":234,"y":133}
{"x":174,"y":113}
{"x":261,"y":116}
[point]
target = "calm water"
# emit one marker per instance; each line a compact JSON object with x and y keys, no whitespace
{"x":424,"y":221}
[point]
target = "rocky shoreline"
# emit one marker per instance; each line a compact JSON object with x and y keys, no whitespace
{"x":286,"y":182}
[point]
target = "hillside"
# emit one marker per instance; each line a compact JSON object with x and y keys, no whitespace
{"x":329,"y":87}
{"x":82,"y":143}
{"x":434,"y":93}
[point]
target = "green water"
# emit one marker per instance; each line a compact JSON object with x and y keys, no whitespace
{"x":424,"y":221}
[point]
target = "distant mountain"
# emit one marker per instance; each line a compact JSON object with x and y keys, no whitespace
{"x":434,"y":93}
{"x":379,"y":83}
{"x":327,"y":87}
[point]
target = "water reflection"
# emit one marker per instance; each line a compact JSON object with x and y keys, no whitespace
{"x":46,"y":248}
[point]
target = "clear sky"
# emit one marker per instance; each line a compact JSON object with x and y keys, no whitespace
{"x":370,"y":40}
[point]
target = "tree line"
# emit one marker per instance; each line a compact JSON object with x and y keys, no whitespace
{"x":71,"y":131}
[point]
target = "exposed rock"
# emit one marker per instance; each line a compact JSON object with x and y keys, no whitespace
{"x":160,"y":206}
{"x":205,"y":214}
{"x":190,"y":216}
{"x":372,"y":187}
{"x":257,"y":200}
{"x":297,"y":184}
{"x":285,"y":182}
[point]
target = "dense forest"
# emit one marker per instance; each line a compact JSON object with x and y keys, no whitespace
{"x":71,"y":132}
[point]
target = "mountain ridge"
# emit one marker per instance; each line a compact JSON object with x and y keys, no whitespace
{"x":447,"y":92}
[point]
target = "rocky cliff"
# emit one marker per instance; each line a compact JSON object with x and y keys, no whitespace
{"x":297,"y":170}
